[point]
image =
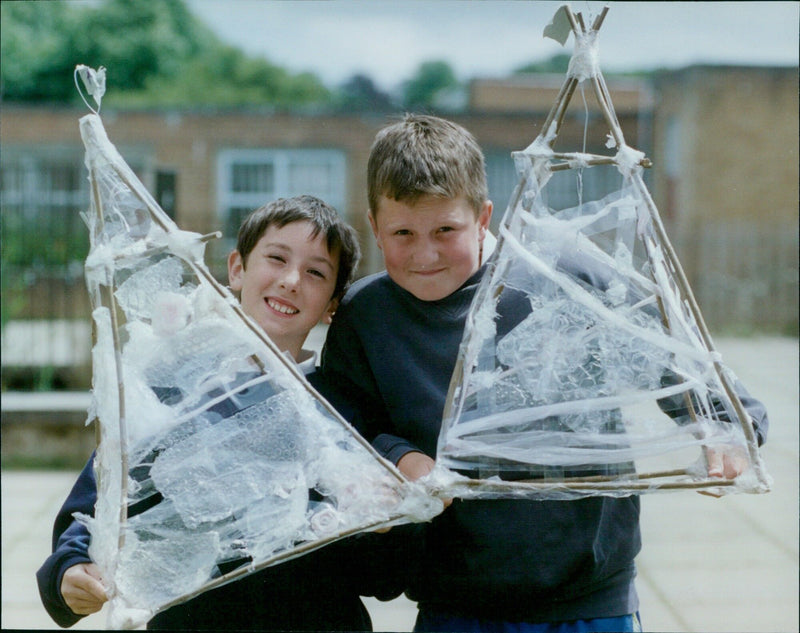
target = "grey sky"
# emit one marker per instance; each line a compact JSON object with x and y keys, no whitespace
{"x":389,"y":39}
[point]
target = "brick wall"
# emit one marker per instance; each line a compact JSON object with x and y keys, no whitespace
{"x":726,"y":182}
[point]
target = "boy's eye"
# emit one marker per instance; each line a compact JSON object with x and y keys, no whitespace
{"x":316,"y":273}
{"x":277,"y":258}
{"x":446,"y":229}
{"x":402,"y":232}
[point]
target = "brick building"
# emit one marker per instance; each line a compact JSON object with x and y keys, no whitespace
{"x":723,"y":142}
{"x":726,"y":182}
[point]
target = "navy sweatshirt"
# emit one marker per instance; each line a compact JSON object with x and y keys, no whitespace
{"x":391,"y":357}
{"x":318,"y":591}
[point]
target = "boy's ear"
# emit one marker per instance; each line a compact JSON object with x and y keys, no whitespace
{"x":327,"y":316}
{"x":235,"y":269}
{"x":484,"y":218}
{"x":374,"y":226}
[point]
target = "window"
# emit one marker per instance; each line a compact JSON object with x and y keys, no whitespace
{"x":561,"y":191}
{"x":43,"y":191}
{"x":42,"y":195}
{"x":166,"y":191}
{"x":502,"y":179}
{"x":248,"y":179}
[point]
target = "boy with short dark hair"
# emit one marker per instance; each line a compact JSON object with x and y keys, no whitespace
{"x":485,"y":565}
{"x":293,"y":262}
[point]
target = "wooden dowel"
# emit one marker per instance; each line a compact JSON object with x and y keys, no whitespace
{"x":211,"y":236}
{"x":688,"y":295}
{"x":567,"y":88}
{"x":562,"y":110}
{"x":598,"y":21}
{"x":573,"y":21}
{"x":108,"y":300}
{"x":593,"y":162}
{"x":577,"y":485}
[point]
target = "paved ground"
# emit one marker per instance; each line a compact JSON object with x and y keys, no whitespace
{"x":727,"y":564}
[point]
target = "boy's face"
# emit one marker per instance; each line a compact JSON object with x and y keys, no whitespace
{"x":287,"y":283}
{"x":432,"y":247}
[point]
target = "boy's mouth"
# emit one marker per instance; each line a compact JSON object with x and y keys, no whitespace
{"x":428,"y":272}
{"x":279,"y":306}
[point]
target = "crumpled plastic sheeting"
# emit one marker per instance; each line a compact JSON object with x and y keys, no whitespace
{"x":581,"y":371}
{"x":215,"y":457}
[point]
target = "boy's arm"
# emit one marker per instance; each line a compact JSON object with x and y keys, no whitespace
{"x":69,"y":569}
{"x":347,"y":383}
{"x":70,"y":547}
{"x":675,"y":406}
{"x":81,"y":499}
{"x":723,"y":462}
{"x":382,"y":565}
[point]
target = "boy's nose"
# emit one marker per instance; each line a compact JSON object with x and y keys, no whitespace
{"x":290,"y":279}
{"x":425,"y":254}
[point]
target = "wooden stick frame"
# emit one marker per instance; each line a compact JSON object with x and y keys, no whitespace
{"x":671,"y":480}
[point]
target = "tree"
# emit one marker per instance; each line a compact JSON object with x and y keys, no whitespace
{"x":359,"y":94}
{"x":35,"y":51}
{"x":135,"y":40}
{"x":157,"y":53}
{"x":223,"y":76}
{"x":431,"y":80}
{"x":557,"y":64}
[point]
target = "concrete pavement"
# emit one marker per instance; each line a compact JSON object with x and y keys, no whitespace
{"x":726,"y":565}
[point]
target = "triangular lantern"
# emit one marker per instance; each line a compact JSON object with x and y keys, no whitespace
{"x":216,"y":457}
{"x":586,"y":367}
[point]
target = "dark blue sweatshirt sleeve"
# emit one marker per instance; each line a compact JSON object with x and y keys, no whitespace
{"x":350,"y":387}
{"x":70,"y":546}
{"x":677,"y":409}
{"x":586,"y":270}
{"x":382,"y":564}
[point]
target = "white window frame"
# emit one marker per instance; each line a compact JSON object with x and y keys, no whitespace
{"x":282,"y":160}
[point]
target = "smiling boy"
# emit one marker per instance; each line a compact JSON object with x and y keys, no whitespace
{"x":432,"y":251}
{"x":294,"y":260}
{"x":291,"y":272}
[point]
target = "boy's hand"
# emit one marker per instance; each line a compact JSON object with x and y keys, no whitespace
{"x":726,"y":463}
{"x":415,"y":465}
{"x":82,"y":589}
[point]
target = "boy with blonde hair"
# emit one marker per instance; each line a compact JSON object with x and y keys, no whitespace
{"x":484,"y":565}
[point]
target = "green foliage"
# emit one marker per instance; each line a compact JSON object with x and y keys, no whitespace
{"x":43,"y":245}
{"x":359,"y":94}
{"x":557,"y":64}
{"x":37,"y":38}
{"x":12,"y":300}
{"x":431,"y":81}
{"x":136,"y":40}
{"x":156,"y":54}
{"x":70,"y":462}
{"x":42,"y":241}
{"x":226,"y":77}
